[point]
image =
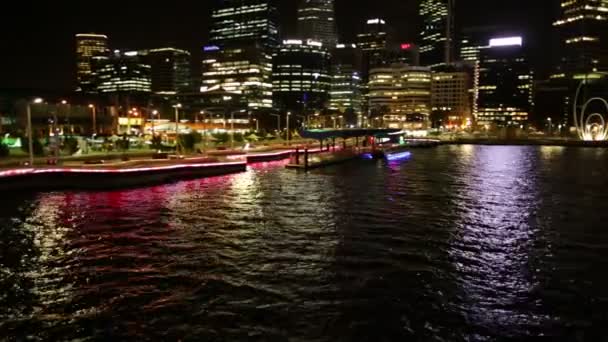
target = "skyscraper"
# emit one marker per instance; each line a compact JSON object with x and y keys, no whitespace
{"x":122,"y":73}
{"x":505,"y":84}
{"x":583,"y":31}
{"x":88,"y":45}
{"x":239,"y":55}
{"x":316,"y":21}
{"x":301,"y":79}
{"x":345,"y":93}
{"x":437,"y":32}
{"x":374,"y":40}
{"x":170,"y":70}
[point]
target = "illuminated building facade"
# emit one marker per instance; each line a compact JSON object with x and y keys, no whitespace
{"x":88,"y":45}
{"x":239,"y":55}
{"x":301,"y":76}
{"x":450,"y":97}
{"x":437,"y":31}
{"x":583,"y":31}
{"x":472,"y":41}
{"x":345,"y":93}
{"x":400,"y":96}
{"x":170,"y":70}
{"x":373,"y":42}
{"x":316,"y":21}
{"x":122,"y":73}
{"x":505,"y":84}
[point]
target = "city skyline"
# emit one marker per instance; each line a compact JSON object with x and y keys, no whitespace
{"x":49,"y":64}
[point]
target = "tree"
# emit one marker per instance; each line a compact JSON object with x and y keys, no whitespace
{"x":4,"y":150}
{"x":37,"y":146}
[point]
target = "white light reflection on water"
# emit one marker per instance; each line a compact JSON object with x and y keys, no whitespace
{"x":48,"y":227}
{"x":495,"y":238}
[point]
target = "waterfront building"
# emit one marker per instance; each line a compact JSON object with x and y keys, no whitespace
{"x":301,"y":76}
{"x":316,"y":21}
{"x":169,"y":70}
{"x":505,"y":84}
{"x":437,"y":31}
{"x":583,"y":31}
{"x":345,"y":93}
{"x":450,"y":97}
{"x":400,"y":96}
{"x":238,"y":57}
{"x":88,"y":45}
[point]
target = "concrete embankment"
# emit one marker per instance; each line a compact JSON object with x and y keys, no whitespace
{"x":117,"y":175}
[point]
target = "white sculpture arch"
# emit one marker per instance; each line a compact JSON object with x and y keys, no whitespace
{"x":593,"y":126}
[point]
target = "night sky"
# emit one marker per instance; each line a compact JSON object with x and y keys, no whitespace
{"x":37,"y":39}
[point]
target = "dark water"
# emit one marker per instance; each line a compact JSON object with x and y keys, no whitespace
{"x":459,"y":243}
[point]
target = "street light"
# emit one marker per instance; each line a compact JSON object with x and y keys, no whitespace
{"x":94,"y":114}
{"x":177,"y":107}
{"x":67,"y":115}
{"x":154,"y":114}
{"x":30,"y":140}
{"x":288,"y":137}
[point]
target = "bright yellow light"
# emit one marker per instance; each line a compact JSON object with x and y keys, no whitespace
{"x":64,"y":102}
{"x":38,"y":100}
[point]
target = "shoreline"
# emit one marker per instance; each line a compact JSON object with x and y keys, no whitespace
{"x":527,"y":142}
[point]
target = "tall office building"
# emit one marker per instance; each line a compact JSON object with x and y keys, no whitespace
{"x":88,"y":45}
{"x":505,"y":84}
{"x":473,"y":40}
{"x":239,"y":55}
{"x":345,"y":93}
{"x":583,"y":31}
{"x":450,"y":97}
{"x":122,"y":73}
{"x":373,"y":42}
{"x":170,"y":70}
{"x":436,"y":37}
{"x":400,"y":96}
{"x":316,"y":21}
{"x":301,"y":79}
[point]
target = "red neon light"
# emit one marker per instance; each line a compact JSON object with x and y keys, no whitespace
{"x":406,"y":46}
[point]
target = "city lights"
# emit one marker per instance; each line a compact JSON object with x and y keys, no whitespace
{"x":507,"y":41}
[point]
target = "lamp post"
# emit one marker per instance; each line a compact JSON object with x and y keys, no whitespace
{"x":154,"y":114}
{"x":30,"y":138}
{"x":94,"y":117}
{"x":232,"y":130}
{"x":204,"y":131}
{"x":177,"y":107}
{"x":288,"y":135}
{"x":67,"y":115}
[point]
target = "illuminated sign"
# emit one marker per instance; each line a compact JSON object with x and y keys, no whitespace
{"x":406,"y":46}
{"x":314,"y":43}
{"x":210,"y":48}
{"x":131,"y":53}
{"x":292,"y":42}
{"x":506,"y":41}
{"x":376,"y":21}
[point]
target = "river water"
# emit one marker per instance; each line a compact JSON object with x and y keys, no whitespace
{"x":457,"y":243}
